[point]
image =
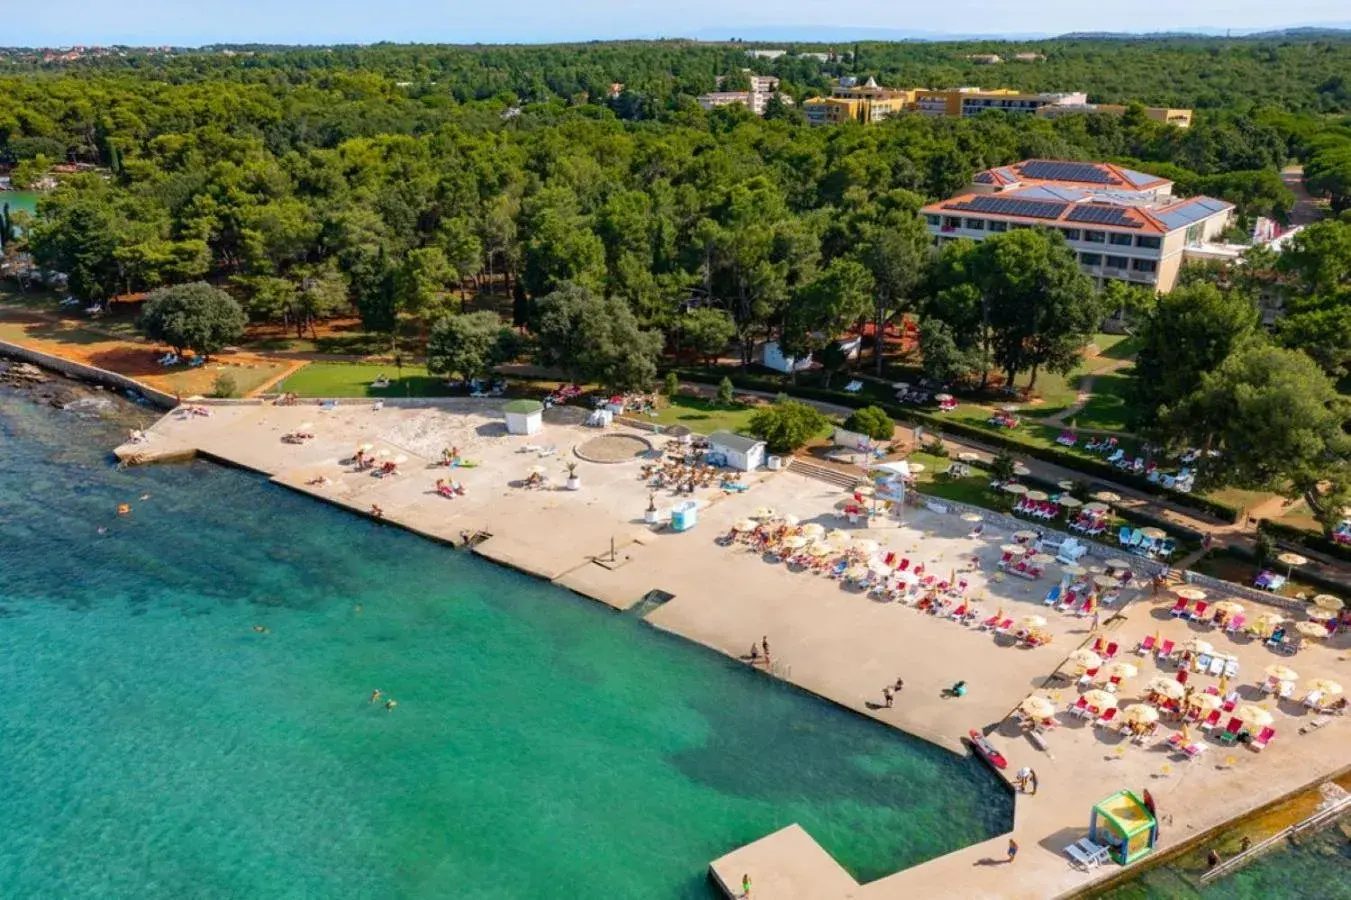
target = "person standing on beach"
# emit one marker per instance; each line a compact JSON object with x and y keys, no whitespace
{"x":1013,"y":849}
{"x":746,"y":886}
{"x":1032,"y":777}
{"x":764,"y":645}
{"x":887,"y":696}
{"x":900,"y":685}
{"x":1023,"y":774}
{"x":755,"y":655}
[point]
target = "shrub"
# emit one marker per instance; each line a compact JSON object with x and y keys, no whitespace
{"x":725,"y":391}
{"x":1001,"y":467}
{"x":224,"y":386}
{"x":787,"y":425}
{"x":872,"y":421}
{"x":935,"y":447}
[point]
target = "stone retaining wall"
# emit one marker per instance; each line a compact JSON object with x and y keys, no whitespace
{"x":85,"y":372}
{"x":1229,"y":588}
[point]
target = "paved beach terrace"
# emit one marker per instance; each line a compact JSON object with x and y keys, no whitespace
{"x":828,"y":639}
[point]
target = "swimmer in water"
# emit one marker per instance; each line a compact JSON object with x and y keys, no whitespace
{"x":103,"y":529}
{"x":390,"y":704}
{"x":145,"y":496}
{"x":375,"y":695}
{"x":123,"y":509}
{"x":261,"y":629}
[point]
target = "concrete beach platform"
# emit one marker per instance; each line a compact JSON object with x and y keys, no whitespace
{"x":825,"y":638}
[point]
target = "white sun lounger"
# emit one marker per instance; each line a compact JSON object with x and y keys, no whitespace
{"x":1086,"y":853}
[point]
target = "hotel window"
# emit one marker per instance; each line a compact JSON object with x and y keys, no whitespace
{"x":975,"y":224}
{"x":933,"y":220}
{"x":1144,"y":265}
{"x":1149,"y":243}
{"x":999,"y":226}
{"x":1091,"y":259}
{"x":1119,"y":240}
{"x":1071,"y":234}
{"x":952,"y":222}
{"x":1117,"y":262}
{"x":1095,"y":237}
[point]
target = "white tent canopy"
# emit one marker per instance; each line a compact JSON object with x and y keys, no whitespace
{"x":900,"y":467}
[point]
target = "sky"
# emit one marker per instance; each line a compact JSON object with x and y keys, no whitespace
{"x":197,"y":22}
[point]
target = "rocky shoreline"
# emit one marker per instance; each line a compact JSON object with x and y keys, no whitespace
{"x":59,"y":391}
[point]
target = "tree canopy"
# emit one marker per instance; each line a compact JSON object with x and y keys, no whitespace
{"x":194,"y":316}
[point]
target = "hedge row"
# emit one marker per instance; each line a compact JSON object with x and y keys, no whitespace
{"x":939,"y":425}
{"x":1315,"y":542}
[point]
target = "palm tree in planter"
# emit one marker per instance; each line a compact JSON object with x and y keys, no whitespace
{"x":574,"y":482}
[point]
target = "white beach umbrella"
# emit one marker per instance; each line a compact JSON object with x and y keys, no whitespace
{"x":1085,"y":658}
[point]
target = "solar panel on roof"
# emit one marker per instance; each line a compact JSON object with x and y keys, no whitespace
{"x":1103,"y":215}
{"x":1139,"y":178}
{"x":1049,"y":170}
{"x":1011,"y":206}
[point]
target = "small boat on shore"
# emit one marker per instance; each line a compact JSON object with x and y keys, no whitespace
{"x":987,"y":750}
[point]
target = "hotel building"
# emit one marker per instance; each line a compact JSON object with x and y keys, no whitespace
{"x":1123,"y":225}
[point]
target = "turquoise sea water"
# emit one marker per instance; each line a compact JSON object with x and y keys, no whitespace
{"x":17,"y":200}
{"x":154,"y":745}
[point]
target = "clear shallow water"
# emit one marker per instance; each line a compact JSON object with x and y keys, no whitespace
{"x":1317,"y":868}
{"x":20,"y":200}
{"x":152,"y":744}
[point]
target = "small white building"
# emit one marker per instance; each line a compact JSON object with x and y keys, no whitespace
{"x":736,"y":451}
{"x":774,"y":358}
{"x":524,"y":416}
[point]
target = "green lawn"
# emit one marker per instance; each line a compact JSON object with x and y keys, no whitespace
{"x":705,"y":416}
{"x":323,"y":379}
{"x":1109,"y":408}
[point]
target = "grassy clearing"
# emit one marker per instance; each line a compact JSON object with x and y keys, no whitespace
{"x":1110,"y":408}
{"x":705,"y":416}
{"x":1240,"y":571}
{"x":324,"y":379}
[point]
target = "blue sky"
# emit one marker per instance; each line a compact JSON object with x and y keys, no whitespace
{"x":194,"y":22}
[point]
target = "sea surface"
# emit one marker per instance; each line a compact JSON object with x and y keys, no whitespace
{"x":20,"y":200}
{"x":187,"y":710}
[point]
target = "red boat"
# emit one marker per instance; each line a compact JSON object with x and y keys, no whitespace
{"x":987,"y":750}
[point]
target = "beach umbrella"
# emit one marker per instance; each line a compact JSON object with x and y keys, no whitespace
{"x":1329,"y":602}
{"x":1085,"y":658}
{"x":846,"y":504}
{"x":1099,"y":699}
{"x":1117,"y":562}
{"x":907,"y":578}
{"x":795,"y":542}
{"x":1096,"y":507}
{"x":1321,"y":615}
{"x":1038,"y":707}
{"x":763,"y":512}
{"x":400,"y":460}
{"x":1140,"y":714}
{"x":1015,"y":489}
{"x":1107,"y":497}
{"x":1325,"y":686}
{"x":1009,"y":407}
{"x":1014,"y":549}
{"x":1190,"y":593}
{"x":1267,"y":622}
{"x":1073,"y":570}
{"x":537,"y":470}
{"x":791,"y":521}
{"x":820,"y":550}
{"x":1040,"y":559}
{"x":1171,"y":689}
{"x":968,"y":456}
{"x":916,"y":467}
{"x":367,"y":448}
{"x":1229,"y":607}
{"x":865,"y":490}
{"x":971,"y":517}
{"x":1071,"y":502}
{"x":1105,"y":581}
{"x":1154,"y":534}
{"x":1311,"y":629}
{"x":1291,"y":560}
{"x":813,"y":529}
{"x":739,"y":524}
{"x":382,"y":452}
{"x":1253,"y":716}
{"x":1033,"y":621}
{"x":1024,"y":535}
{"x":856,"y":573}
{"x":304,"y":426}
{"x":1199,"y":645}
{"x":1205,"y":702}
{"x":867,"y":546}
{"x":1281,"y":672}
{"x":1065,"y":485}
{"x":1037,"y":496}
{"x":942,"y":398}
{"x":1121,"y":669}
{"x":1021,"y":470}
{"x":838,"y":537}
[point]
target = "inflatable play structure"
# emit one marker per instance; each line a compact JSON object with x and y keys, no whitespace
{"x":1125,"y":826}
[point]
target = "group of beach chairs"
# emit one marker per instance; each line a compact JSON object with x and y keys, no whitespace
{"x":1136,"y":541}
{"x":1089,"y":523}
{"x":1036,"y":509}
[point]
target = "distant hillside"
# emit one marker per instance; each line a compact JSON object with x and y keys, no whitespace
{"x":1304,"y":33}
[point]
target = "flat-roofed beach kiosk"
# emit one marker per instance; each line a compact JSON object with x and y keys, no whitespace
{"x":736,"y":451}
{"x":524,"y":416}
